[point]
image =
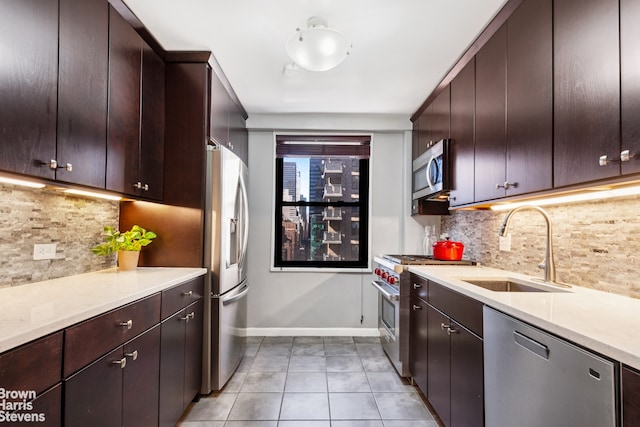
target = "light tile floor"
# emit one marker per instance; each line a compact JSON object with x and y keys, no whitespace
{"x":312,"y":382}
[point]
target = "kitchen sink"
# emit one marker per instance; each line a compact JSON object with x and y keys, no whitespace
{"x":511,"y":285}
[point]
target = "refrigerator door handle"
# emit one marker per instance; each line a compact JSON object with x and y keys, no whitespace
{"x":245,"y":222}
{"x":243,"y":292}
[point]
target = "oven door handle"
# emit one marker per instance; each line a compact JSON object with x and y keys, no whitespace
{"x":384,"y":292}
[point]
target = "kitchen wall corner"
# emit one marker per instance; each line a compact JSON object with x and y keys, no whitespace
{"x":29,"y":216}
{"x":596,"y":244}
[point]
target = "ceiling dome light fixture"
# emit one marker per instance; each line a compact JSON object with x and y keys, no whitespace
{"x":318,"y":47}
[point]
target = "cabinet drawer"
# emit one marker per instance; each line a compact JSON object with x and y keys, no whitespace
{"x":87,"y":341}
{"x":464,"y":310}
{"x":180,"y":296}
{"x":34,"y":366}
{"x":419,"y":287}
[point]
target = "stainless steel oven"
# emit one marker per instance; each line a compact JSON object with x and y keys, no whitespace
{"x":391,"y":279}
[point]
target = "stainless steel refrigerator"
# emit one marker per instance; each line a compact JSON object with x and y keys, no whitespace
{"x":225,"y":254}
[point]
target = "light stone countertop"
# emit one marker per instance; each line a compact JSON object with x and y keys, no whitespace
{"x":606,"y":323}
{"x":31,"y":311}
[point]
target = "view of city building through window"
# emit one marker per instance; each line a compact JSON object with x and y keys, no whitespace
{"x":321,"y":208}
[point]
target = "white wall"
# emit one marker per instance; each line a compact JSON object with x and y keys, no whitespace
{"x":305,"y":303}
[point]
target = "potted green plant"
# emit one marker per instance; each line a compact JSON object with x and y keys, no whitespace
{"x":126,"y":244}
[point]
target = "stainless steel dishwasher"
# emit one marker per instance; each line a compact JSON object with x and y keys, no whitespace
{"x":535,"y":379}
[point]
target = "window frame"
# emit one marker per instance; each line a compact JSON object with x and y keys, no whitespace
{"x":363,"y":203}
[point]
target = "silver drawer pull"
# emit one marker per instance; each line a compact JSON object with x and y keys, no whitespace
{"x":417,"y":307}
{"x":133,"y":355}
{"x":450,"y":331}
{"x":128,"y":324}
{"x":187,"y":294}
{"x":443,"y":326}
{"x":122,"y":362}
{"x":188,"y":316}
{"x":416,"y":286}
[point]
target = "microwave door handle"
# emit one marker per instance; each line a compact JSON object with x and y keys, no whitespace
{"x":427,"y":169}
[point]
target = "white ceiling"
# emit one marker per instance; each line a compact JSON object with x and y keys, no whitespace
{"x":401,"y":48}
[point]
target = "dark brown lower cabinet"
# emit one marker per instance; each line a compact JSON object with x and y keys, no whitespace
{"x":445,"y":354}
{"x":418,"y":344}
{"x":467,"y":377}
{"x":438,"y":365}
{"x":119,"y":389}
{"x":180,"y":362}
{"x":630,"y":397}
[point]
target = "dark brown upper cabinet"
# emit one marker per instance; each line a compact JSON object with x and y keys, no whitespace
{"x":433,"y":124}
{"x":29,"y":85}
{"x":529,"y":146}
{"x":82,"y":92}
{"x":227,"y":123}
{"x":586,"y":57}
{"x":135,"y":139}
{"x":463,"y":90}
{"x":630,"y":84}
{"x":490,"y":143}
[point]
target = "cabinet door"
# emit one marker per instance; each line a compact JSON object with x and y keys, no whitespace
{"x":123,"y":136}
{"x":140,"y":380}
{"x":152,"y":131}
{"x":422,"y":132}
{"x":586,"y":90}
{"x":467,"y":379}
{"x":93,"y":396}
{"x":238,"y":134}
{"x":82,"y":91}
{"x":220,"y":110}
{"x":418,"y":349}
{"x":438,"y":364}
{"x":49,"y":403}
{"x":172,"y":362}
{"x":193,"y":352}
{"x":440,"y":116}
{"x":28,"y":84}
{"x":463,"y":95}
{"x":491,"y":68}
{"x":630,"y":397}
{"x":630,"y":84}
{"x":530,"y":98}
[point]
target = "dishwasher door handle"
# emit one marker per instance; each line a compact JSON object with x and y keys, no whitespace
{"x":531,"y":345}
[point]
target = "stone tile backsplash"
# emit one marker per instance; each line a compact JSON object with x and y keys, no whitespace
{"x":596,"y":244}
{"x":29,"y":216}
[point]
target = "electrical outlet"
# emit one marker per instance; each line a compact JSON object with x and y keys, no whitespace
{"x":505,"y":243}
{"x":44,"y":251}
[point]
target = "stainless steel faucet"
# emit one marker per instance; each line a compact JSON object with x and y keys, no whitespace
{"x":548,"y":264}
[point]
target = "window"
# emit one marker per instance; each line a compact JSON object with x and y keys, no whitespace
{"x":322,"y":201}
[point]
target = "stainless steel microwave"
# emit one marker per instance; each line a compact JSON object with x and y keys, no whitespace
{"x":431,"y":172}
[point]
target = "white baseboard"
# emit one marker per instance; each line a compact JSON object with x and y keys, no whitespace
{"x":314,"y":332}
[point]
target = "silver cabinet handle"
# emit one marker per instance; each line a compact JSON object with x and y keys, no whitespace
{"x":53,"y":164}
{"x":605,"y":160}
{"x":416,"y":286}
{"x":187,"y":294}
{"x":417,"y":307}
{"x":133,"y":355}
{"x":625,"y":156}
{"x":128,"y":324}
{"x":188,"y":316}
{"x":122,"y":362}
{"x":443,"y":326}
{"x":507,"y":185}
{"x":450,"y":330}
{"x":140,"y":186}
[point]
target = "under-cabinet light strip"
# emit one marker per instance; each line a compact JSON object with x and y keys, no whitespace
{"x":21,"y":182}
{"x":572,"y":198}
{"x":93,"y":194}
